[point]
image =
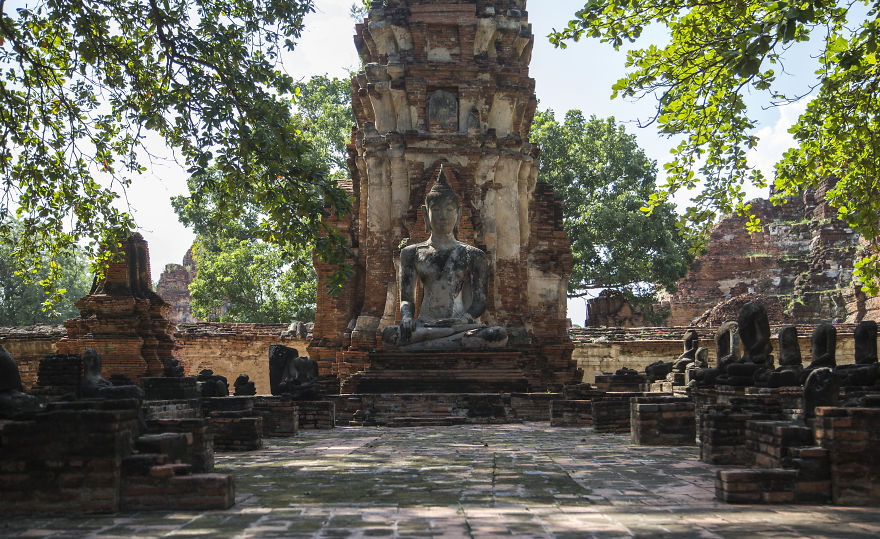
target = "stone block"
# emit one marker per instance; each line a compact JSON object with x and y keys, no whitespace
{"x":662,"y":421}
{"x":571,"y":413}
{"x":235,"y":432}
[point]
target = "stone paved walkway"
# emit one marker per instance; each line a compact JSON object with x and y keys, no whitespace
{"x":467,"y":481}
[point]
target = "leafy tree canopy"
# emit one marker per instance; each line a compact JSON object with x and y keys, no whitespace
{"x":604,"y":178}
{"x":323,"y":106}
{"x":241,"y":277}
{"x":720,"y":52}
{"x":83,"y":81}
{"x":23,"y":302}
{"x":251,"y":281}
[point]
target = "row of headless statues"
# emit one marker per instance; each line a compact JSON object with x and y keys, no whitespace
{"x":14,"y":401}
{"x":744,"y":358}
{"x":289,"y":375}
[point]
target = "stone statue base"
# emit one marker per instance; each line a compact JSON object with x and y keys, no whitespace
{"x":471,"y":337}
{"x":503,"y":371}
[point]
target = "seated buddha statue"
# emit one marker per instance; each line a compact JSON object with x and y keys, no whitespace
{"x":454,"y":283}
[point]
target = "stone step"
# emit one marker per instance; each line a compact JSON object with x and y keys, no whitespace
{"x":756,"y":485}
{"x":170,"y":470}
{"x":177,"y":492}
{"x":424,"y":421}
{"x":141,"y":464}
{"x":172,"y":444}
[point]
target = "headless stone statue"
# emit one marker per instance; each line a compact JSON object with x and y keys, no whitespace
{"x":865,"y":371}
{"x":171,"y":368}
{"x":691,"y":343}
{"x":701,"y":361}
{"x":824,"y":346}
{"x":292,"y":375}
{"x":243,"y":386}
{"x":13,"y":401}
{"x":754,"y":333}
{"x":93,"y":386}
{"x":790,"y":363}
{"x":454,"y":281}
{"x":820,"y":389}
{"x":756,"y":363}
{"x":212,"y":385}
{"x":727,"y":346}
{"x":658,"y":370}
{"x":789,"y":349}
{"x":866,"y":343}
{"x":823,"y":350}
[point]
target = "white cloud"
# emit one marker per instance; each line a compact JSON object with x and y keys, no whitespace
{"x":776,"y":140}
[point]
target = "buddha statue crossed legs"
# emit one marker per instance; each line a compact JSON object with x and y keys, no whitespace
{"x":454,"y":282}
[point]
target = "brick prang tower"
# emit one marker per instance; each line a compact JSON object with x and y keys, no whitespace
{"x":447,"y":83}
{"x":123,"y":319}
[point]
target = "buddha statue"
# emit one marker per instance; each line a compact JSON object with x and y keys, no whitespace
{"x":865,"y":371}
{"x":93,"y":386}
{"x":13,"y":401}
{"x":752,"y":368}
{"x":790,"y":362}
{"x":454,"y":282}
{"x":727,"y":351}
{"x":691,"y":343}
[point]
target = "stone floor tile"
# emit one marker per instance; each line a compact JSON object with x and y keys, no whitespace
{"x":526,"y":480}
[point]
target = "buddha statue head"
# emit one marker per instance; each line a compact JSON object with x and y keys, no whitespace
{"x":442,"y":209}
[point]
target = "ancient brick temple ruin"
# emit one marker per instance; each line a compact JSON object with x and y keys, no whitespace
{"x":123,"y":319}
{"x":173,"y":287}
{"x":799,"y":265}
{"x":447,"y":83}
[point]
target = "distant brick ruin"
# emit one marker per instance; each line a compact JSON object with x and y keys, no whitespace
{"x":800,"y":266}
{"x":800,"y":263}
{"x":123,"y":319}
{"x":447,"y":83}
{"x":173,"y":286}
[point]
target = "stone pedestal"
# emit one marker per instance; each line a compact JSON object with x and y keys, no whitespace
{"x":621,"y":382}
{"x":449,"y":372}
{"x":170,"y":388}
{"x":662,"y":421}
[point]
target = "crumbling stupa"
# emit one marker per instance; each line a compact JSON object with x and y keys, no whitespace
{"x":447,"y":84}
{"x":123,"y":319}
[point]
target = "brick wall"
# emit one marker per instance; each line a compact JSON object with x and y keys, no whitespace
{"x":233,"y":349}
{"x":606,"y":350}
{"x":851,"y":435}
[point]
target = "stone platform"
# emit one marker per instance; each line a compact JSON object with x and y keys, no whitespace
{"x":504,"y":371}
{"x":526,"y":480}
{"x":424,"y":409}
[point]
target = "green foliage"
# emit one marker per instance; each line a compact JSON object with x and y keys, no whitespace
{"x":243,"y":276}
{"x":23,"y":302}
{"x":251,"y":281}
{"x":359,"y":10}
{"x":323,"y":105}
{"x":83,"y":81}
{"x":717,"y":53}
{"x":603,"y":178}
{"x":239,"y":277}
